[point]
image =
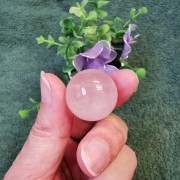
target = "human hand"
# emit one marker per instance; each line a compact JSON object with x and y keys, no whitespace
{"x":61,"y":146}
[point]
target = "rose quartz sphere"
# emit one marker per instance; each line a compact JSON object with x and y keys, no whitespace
{"x":91,"y":95}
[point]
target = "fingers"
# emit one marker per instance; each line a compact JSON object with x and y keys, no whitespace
{"x":126,"y":81}
{"x":44,"y":148}
{"x":122,"y":168}
{"x":80,"y":128}
{"x":101,"y":145}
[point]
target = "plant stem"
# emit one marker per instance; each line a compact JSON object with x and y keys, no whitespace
{"x":34,"y":107}
{"x":130,"y":20}
{"x":54,"y":43}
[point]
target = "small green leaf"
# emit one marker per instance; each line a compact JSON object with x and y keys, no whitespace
{"x":76,"y":11}
{"x":40,"y":40}
{"x":104,"y":29}
{"x":101,"y":14}
{"x":132,"y":13}
{"x":120,"y":33}
{"x":50,"y":41}
{"x":107,"y":37}
{"x":90,"y":29}
{"x":62,"y":50}
{"x":75,"y":34}
{"x":92,"y":15}
{"x":72,"y":53}
{"x":77,"y":44}
{"x":141,"y":73}
{"x":68,"y":68}
{"x":143,"y":10}
{"x":68,"y":23}
{"x":24,"y":113}
{"x":50,"y":38}
{"x":94,"y":4}
{"x":63,"y":39}
{"x":102,"y":3}
{"x":72,"y":56}
{"x":84,"y":2}
{"x":38,"y":107}
{"x":91,"y":37}
{"x":111,"y":23}
{"x":118,"y":19}
{"x":112,"y":34}
{"x":32,"y":100}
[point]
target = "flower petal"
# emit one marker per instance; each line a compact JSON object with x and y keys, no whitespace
{"x":108,"y":54}
{"x":79,"y":62}
{"x":112,"y":56}
{"x":93,"y":52}
{"x":110,"y":69}
{"x":95,"y":64}
{"x":96,"y":50}
{"x":127,"y":34}
{"x":126,"y":50}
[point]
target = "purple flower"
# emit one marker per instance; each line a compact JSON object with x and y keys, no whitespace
{"x":128,"y":40}
{"x":97,"y":57}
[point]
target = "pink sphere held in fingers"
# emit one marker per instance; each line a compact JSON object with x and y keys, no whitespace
{"x":91,"y":95}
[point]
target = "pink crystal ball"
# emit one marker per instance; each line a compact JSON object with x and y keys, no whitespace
{"x":91,"y":95}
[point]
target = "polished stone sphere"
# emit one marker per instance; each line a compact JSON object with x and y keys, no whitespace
{"x":91,"y":95}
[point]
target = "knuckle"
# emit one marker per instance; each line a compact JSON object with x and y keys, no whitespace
{"x":38,"y":130}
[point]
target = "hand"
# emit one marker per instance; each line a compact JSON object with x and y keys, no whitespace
{"x":61,"y":146}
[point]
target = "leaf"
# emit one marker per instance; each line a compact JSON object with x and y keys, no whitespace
{"x":92,"y":15}
{"x":77,"y":44}
{"x":40,"y":40}
{"x":63,"y":39}
{"x":68,"y":23}
{"x":62,"y":49}
{"x":72,"y":53}
{"x":107,"y":37}
{"x":50,"y":41}
{"x":109,"y":22}
{"x":75,"y":34}
{"x":32,"y":100}
{"x":68,"y":68}
{"x":132,"y":13}
{"x":90,"y":29}
{"x":91,"y":37}
{"x":118,"y":19}
{"x":143,"y":10}
{"x":112,"y":34}
{"x":102,"y":3}
{"x":38,"y":107}
{"x":24,"y":113}
{"x":104,"y":29}
{"x":120,"y":33}
{"x":72,"y":56}
{"x":93,"y":4}
{"x":84,"y":2}
{"x":101,"y":14}
{"x":141,"y":73}
{"x":76,"y":11}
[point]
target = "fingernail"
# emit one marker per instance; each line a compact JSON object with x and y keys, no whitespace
{"x":96,"y":156}
{"x":45,"y":89}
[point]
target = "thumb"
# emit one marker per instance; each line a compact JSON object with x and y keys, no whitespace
{"x":42,"y":153}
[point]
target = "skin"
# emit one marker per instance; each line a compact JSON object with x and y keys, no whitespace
{"x":57,"y":145}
